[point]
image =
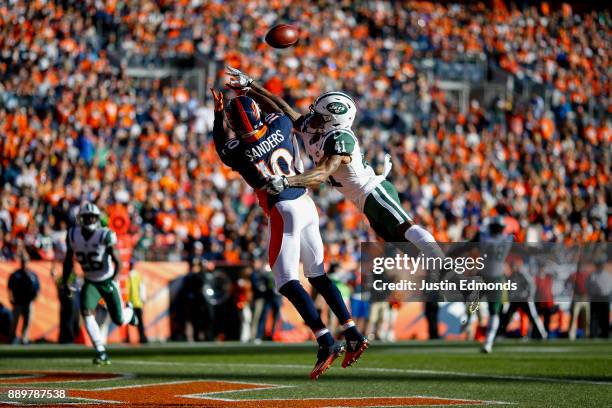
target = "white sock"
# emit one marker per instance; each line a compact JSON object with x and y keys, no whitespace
{"x":94,"y":332}
{"x":424,"y":241}
{"x":128,"y":314}
{"x":321,"y":332}
{"x":492,"y":330}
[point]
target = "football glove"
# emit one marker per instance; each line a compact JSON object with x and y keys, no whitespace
{"x":238,"y":79}
{"x":388,"y":165}
{"x":276,"y":184}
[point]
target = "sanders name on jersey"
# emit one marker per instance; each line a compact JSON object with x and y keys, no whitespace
{"x":264,"y":147}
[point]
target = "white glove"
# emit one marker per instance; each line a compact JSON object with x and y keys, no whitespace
{"x":387,"y":165}
{"x":238,"y":79}
{"x":276,"y":184}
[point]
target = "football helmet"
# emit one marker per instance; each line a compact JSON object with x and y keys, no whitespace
{"x":89,"y":216}
{"x":333,"y":110}
{"x":497,"y":224}
{"x":244,"y":116}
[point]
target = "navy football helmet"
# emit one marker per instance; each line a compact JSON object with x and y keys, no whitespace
{"x":244,"y":116}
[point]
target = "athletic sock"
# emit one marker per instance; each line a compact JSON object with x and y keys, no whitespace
{"x":492,"y":330}
{"x":350,"y":331}
{"x":294,"y":291}
{"x":94,"y":332}
{"x":332,"y":296}
{"x":424,"y":241}
{"x":127,"y":315}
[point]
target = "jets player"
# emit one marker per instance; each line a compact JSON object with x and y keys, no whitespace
{"x":261,"y":149}
{"x":334,"y":148}
{"x":494,"y":247}
{"x":94,"y":248}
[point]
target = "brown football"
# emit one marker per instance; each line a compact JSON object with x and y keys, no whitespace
{"x":282,"y":36}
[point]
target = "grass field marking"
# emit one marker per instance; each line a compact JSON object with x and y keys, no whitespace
{"x":426,"y":397}
{"x":58,"y":376}
{"x":262,"y":385}
{"x":86,"y":401}
{"x":7,"y":380}
{"x":380,"y":369}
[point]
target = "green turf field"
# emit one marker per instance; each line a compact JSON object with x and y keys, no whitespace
{"x":552,"y":374}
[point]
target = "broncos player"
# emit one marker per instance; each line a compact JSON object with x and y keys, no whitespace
{"x":94,"y":248}
{"x":261,"y":149}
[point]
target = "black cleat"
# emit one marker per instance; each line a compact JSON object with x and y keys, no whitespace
{"x":101,"y":358}
{"x":354,"y":350}
{"x":325,"y":358}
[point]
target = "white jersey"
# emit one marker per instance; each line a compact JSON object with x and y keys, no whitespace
{"x":92,"y":253}
{"x":355,"y":180}
{"x":495,"y":249}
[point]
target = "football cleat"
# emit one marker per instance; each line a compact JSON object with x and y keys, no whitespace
{"x":487,"y":348}
{"x":354,"y":350}
{"x":325,"y":358}
{"x":472,"y":301}
{"x":101,"y":358}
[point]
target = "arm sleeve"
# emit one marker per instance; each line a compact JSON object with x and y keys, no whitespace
{"x":340,"y":142}
{"x":111,"y":238}
{"x":222,"y":143}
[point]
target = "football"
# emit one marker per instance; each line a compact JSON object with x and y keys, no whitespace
{"x":282,"y":36}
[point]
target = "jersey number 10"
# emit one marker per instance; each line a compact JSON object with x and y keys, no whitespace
{"x":273,"y":167}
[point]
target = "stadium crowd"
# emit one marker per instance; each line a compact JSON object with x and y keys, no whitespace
{"x":74,"y":126}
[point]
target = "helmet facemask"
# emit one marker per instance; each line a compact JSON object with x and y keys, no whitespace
{"x":89,"y":222}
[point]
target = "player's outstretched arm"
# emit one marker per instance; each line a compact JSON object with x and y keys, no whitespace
{"x":220,"y":137}
{"x":241,"y":81}
{"x":277,"y":100}
{"x":219,"y":134}
{"x":311,"y":178}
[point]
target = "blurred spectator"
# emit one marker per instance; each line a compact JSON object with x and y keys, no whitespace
{"x":137,"y":295}
{"x":23,"y":288}
{"x":522,"y":300}
{"x":69,"y":319}
{"x":599,"y":285}
{"x":192,"y":293}
{"x":5,"y":324}
{"x":544,"y":293}
{"x":431,"y":315}
{"x":267,"y":301}
{"x":243,"y":297}
{"x":580,"y":305}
